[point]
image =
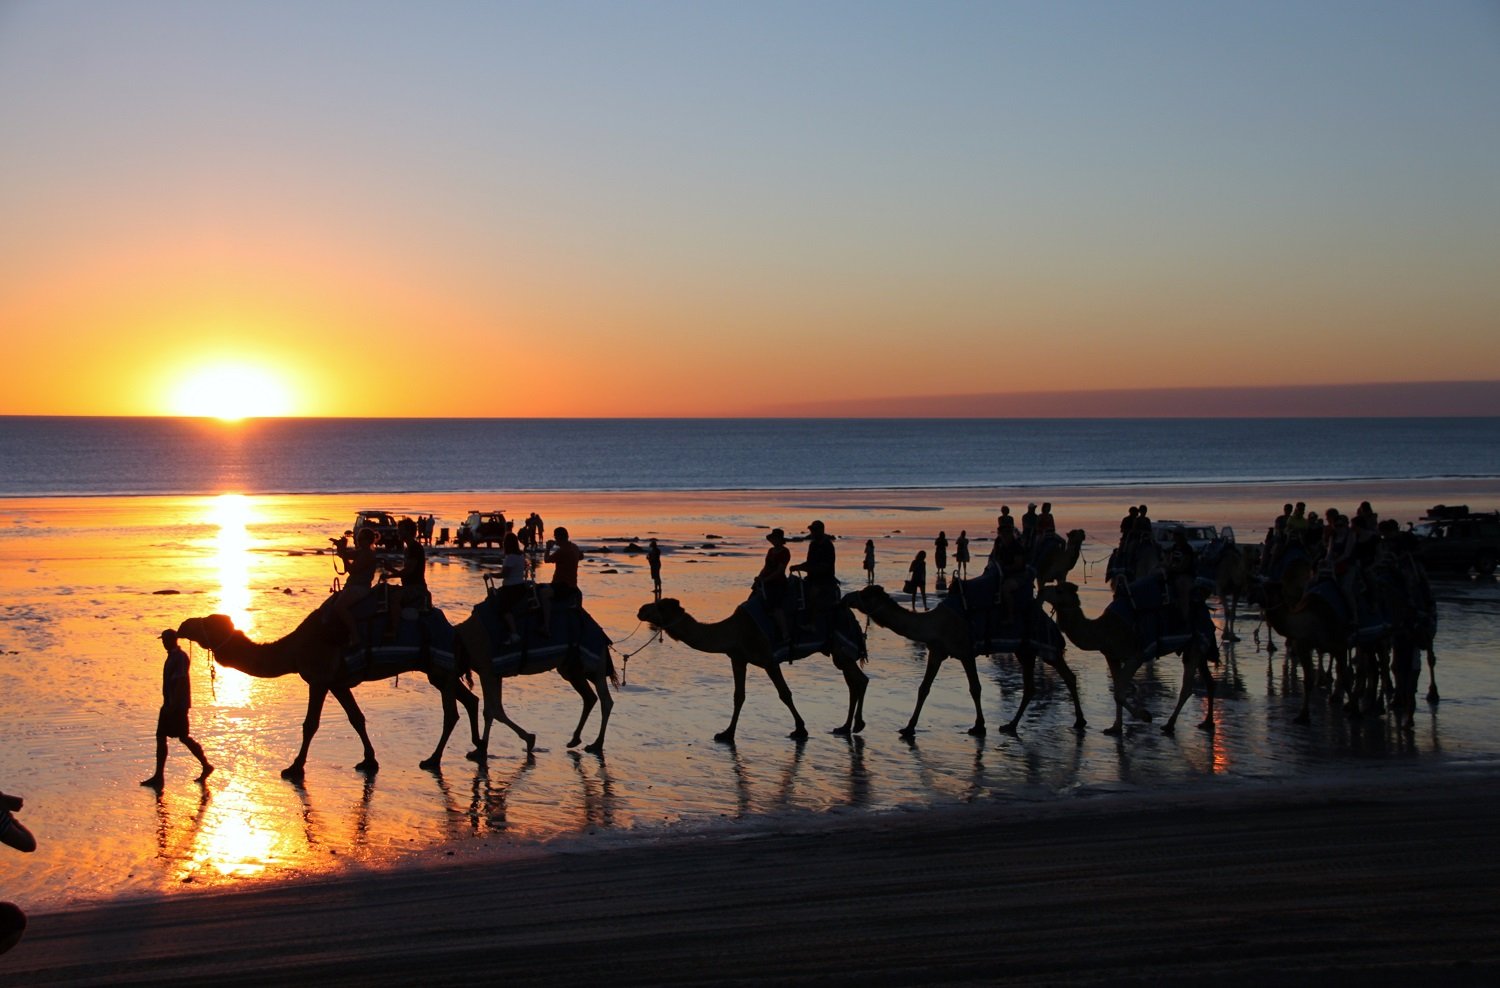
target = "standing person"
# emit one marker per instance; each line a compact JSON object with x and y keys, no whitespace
{"x":940,"y":553}
{"x":869,"y":562}
{"x":653,"y":560}
{"x":564,"y":557}
{"x":818,"y":570}
{"x":961,"y":554}
{"x":916,"y":581}
{"x":172,"y":719}
{"x":13,"y":833}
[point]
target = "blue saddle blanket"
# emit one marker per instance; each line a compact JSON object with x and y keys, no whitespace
{"x":533,"y":650}
{"x":993,"y":627}
{"x":1162,"y":629}
{"x":1366,"y":627}
{"x":810,"y":630}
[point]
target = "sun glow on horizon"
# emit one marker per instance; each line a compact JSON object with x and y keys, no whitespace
{"x":231,"y":392}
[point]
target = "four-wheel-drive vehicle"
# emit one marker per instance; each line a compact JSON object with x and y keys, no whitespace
{"x":1453,"y":539}
{"x":384,"y":525}
{"x":482,"y":528}
{"x":1199,"y":536}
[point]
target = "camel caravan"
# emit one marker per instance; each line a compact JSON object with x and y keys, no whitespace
{"x":1351,"y":595}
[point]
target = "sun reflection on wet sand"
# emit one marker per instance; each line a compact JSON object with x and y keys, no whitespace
{"x":232,"y":513}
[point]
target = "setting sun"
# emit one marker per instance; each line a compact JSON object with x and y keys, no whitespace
{"x":231,"y":392}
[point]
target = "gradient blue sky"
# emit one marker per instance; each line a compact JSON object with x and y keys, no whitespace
{"x":709,"y":208}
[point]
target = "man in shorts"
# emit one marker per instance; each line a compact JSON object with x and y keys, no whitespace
{"x":172,"y":719}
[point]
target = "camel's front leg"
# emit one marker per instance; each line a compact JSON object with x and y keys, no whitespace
{"x":494,"y":709}
{"x":857,"y":681}
{"x":1120,"y":684}
{"x":1028,"y":689}
{"x":1070,"y":680}
{"x":799,"y":732}
{"x":356,"y":715}
{"x":935,"y":657}
{"x":606,"y":704}
{"x":738,"y":667}
{"x":586,"y":692}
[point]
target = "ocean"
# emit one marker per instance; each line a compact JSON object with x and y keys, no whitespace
{"x":45,"y":456}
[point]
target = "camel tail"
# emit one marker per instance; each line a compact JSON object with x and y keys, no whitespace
{"x":609,"y":667}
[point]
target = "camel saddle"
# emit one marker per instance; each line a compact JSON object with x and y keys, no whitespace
{"x":1366,"y":627}
{"x":1160,"y":628}
{"x":812,"y":629}
{"x":993,"y":627}
{"x":573,"y":633}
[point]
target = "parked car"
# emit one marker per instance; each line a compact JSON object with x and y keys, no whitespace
{"x":384,"y":525}
{"x":1453,"y":539}
{"x":482,"y":528}
{"x":1199,"y":536}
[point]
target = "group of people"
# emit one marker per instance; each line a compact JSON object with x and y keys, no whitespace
{"x":819,"y":580}
{"x":1339,"y":548}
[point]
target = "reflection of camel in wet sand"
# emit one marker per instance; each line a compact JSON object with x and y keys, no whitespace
{"x":945,"y":632}
{"x":1056,"y":561}
{"x":591,"y":680}
{"x":312,"y":651}
{"x":740,"y":637}
{"x":1117,"y":641}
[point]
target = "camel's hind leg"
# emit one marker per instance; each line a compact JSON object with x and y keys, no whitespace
{"x":858,"y":682}
{"x":1028,"y":689}
{"x":449,"y":687}
{"x":606,"y":704}
{"x":1190,"y":666}
{"x":1070,"y":680}
{"x":494,"y":709}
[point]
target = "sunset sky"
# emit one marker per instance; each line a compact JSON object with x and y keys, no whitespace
{"x":699,"y":208}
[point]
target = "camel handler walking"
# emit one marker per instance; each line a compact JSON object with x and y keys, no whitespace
{"x":172,"y":719}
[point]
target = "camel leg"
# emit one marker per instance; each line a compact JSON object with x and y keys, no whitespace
{"x":857,"y":681}
{"x":1207,"y":724}
{"x":935,"y":658}
{"x":606,"y":704}
{"x":1189,"y":666}
{"x":971,"y":672}
{"x":356,"y":715}
{"x":1028,"y":689}
{"x":1118,"y":684}
{"x":738,"y":666}
{"x":1309,"y":683}
{"x":1432,"y":690}
{"x":1230,"y":606}
{"x":1070,"y":680}
{"x":494,"y":709}
{"x":586,"y":692}
{"x":799,"y":733}
{"x":448,"y":685}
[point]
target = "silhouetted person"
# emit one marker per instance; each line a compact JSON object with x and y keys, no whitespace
{"x":940,"y":552}
{"x":819,"y":578}
{"x":653,"y":560}
{"x":358,"y":582}
{"x":869,"y":562}
{"x":1028,"y":527}
{"x":771,"y":581}
{"x":916,"y":581}
{"x":961,"y":554}
{"x":172,"y":719}
{"x":564,"y":557}
{"x":1181,"y":567}
{"x":1127,"y":526}
{"x":1005,"y":520}
{"x":13,"y":833}
{"x":512,"y":592}
{"x":413,"y":576}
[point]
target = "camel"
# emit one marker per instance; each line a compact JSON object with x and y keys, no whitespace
{"x":1306,"y":629}
{"x":1138,"y":561}
{"x":1055,"y":561}
{"x":578,"y":652}
{"x":1231,"y":579}
{"x":741,"y":638}
{"x":1116,"y":639}
{"x":945,"y":632}
{"x":313,"y":650}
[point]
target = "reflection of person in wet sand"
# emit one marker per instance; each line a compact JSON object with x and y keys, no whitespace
{"x":14,"y":834}
{"x":172,"y":719}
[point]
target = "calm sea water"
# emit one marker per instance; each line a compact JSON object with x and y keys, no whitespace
{"x":102,"y":456}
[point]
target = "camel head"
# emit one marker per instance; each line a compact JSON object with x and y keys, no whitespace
{"x":1075,"y":537}
{"x":660,"y":613}
{"x":210,"y":632}
{"x":1063,"y":594}
{"x":866,"y":597}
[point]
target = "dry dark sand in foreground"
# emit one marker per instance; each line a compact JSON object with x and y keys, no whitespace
{"x":1271,"y":885}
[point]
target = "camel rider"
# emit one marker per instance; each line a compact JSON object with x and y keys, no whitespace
{"x":1127,"y":526}
{"x":412,"y":573}
{"x":1009,"y":561}
{"x":771,"y":580}
{"x":564,"y":555}
{"x":1028,"y":528}
{"x":1004,"y":521}
{"x":1342,"y":561}
{"x":358,"y":582}
{"x":1181,"y":567}
{"x":819,"y":579}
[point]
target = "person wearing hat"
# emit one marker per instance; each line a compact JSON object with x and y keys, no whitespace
{"x":1028,"y":528}
{"x":172,"y":719}
{"x":817,"y":570}
{"x":771,"y":580}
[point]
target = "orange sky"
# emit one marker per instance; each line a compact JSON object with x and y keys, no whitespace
{"x":426,"y":218}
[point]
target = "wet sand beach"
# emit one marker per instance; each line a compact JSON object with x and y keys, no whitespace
{"x":1373,"y":883}
{"x":1055,"y":855}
